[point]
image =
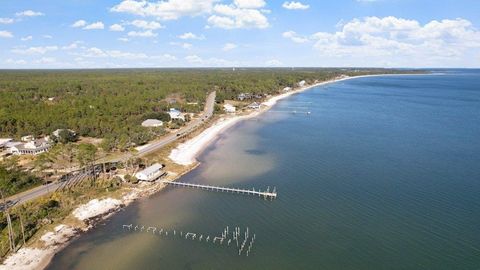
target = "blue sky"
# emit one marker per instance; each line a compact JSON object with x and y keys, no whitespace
{"x":191,"y":33}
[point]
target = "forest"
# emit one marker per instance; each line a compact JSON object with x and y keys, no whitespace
{"x":111,"y":104}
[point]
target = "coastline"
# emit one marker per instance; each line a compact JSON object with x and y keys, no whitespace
{"x":90,"y":213}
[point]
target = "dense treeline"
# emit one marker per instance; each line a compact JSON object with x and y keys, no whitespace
{"x":14,"y":180}
{"x":112,"y":103}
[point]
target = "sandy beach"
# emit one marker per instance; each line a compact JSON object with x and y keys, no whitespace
{"x":97,"y":209}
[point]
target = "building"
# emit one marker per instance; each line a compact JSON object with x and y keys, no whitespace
{"x":302,"y":83}
{"x":176,"y":114}
{"x":254,"y":106}
{"x":27,"y":138}
{"x":229,"y":108}
{"x":287,"y":89}
{"x":33,"y":147}
{"x":151,"y":173}
{"x":4,"y":142}
{"x":152,"y":123}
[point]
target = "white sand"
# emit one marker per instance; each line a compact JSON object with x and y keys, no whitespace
{"x":186,"y":153}
{"x":96,"y":208}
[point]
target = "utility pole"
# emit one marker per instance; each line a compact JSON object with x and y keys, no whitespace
{"x":11,"y":235}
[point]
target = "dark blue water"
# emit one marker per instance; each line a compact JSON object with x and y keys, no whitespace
{"x":383,"y":174}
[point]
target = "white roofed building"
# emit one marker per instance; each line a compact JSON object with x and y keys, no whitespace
{"x":229,"y":108}
{"x":176,"y":114}
{"x":151,"y":173}
{"x":33,"y":147}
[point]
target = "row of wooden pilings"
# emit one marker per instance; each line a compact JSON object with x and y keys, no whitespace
{"x":241,"y":240}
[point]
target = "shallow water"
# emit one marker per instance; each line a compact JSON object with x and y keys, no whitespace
{"x":383,"y":174}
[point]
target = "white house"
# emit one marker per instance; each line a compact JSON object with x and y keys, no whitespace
{"x":229,"y":108}
{"x":152,"y":123}
{"x":302,"y":83}
{"x":56,"y":133}
{"x":4,"y":142}
{"x":33,"y":147}
{"x":287,"y":89}
{"x":151,"y":173}
{"x":176,"y":114}
{"x":254,"y":106}
{"x":27,"y":138}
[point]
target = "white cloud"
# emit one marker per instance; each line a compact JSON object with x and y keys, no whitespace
{"x":35,"y":50}
{"x":16,"y":62}
{"x":374,"y":41}
{"x":233,"y":16}
{"x":153,"y":25}
{"x":96,"y":52}
{"x":29,"y":13}
{"x":27,"y":38}
{"x":165,"y":10}
{"x":196,"y":60}
{"x":117,"y":28}
{"x":147,"y":34}
{"x":124,"y":39}
{"x":94,"y":26}
{"x":191,"y":35}
{"x":72,"y":46}
{"x":169,"y":57}
{"x":295,"y":5}
{"x":45,"y":60}
{"x":6,"y":34}
{"x":47,"y":36}
{"x":184,"y":45}
{"x":79,"y":23}
{"x":293,"y":36}
{"x":273,"y":63}
{"x":6,"y":20}
{"x":249,"y":3}
{"x":229,"y":46}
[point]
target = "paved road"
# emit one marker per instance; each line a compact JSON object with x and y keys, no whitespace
{"x":152,"y":147}
{"x":191,"y":126}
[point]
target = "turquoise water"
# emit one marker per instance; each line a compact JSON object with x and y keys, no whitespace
{"x":383,"y":174}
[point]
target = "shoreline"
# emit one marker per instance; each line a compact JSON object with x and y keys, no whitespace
{"x":185,"y":154}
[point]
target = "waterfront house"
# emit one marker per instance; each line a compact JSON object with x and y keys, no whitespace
{"x":302,"y":83}
{"x":229,"y":108}
{"x":4,"y":142}
{"x":176,"y":114}
{"x":254,"y":106}
{"x":151,"y":173}
{"x":287,"y":89}
{"x":152,"y":123}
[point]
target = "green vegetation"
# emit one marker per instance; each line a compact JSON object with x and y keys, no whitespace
{"x":112,"y":104}
{"x":13,"y":180}
{"x":51,"y":209}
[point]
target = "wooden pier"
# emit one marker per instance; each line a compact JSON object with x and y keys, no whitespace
{"x":265,"y":194}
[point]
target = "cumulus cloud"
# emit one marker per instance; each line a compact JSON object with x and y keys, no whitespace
{"x":293,"y":36}
{"x":97,"y":52}
{"x":6,"y":20}
{"x":146,"y":34}
{"x":184,"y":45}
{"x":401,"y":41}
{"x":295,"y":5}
{"x":240,"y":14}
{"x":6,"y":34}
{"x":166,"y":9}
{"x":196,"y":60}
{"x":124,"y":39}
{"x":273,"y":63}
{"x":79,"y":23}
{"x":35,"y":50}
{"x":29,"y":13}
{"x":27,"y":38}
{"x":16,"y":62}
{"x":153,"y":25}
{"x":94,"y":26}
{"x":190,"y":35}
{"x":45,"y":60}
{"x":229,"y":46}
{"x":116,"y":28}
